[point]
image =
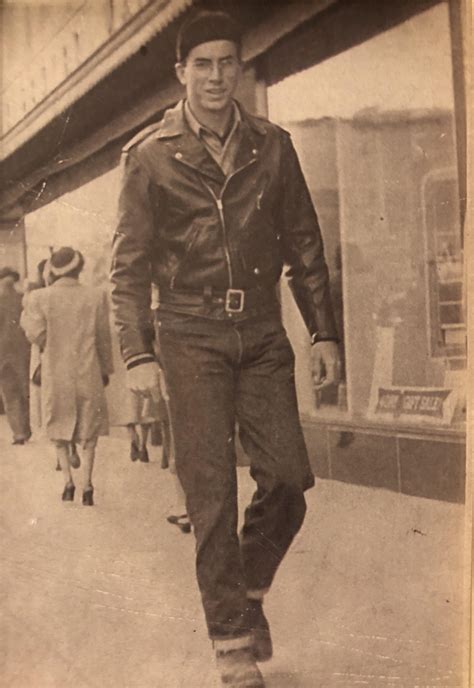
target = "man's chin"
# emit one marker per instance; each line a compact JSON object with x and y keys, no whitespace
{"x":217,"y":104}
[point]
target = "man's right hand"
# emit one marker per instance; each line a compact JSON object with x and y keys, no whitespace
{"x":145,"y":379}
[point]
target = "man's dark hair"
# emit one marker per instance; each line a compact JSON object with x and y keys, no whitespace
{"x":207,"y":26}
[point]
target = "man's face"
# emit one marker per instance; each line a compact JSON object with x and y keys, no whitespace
{"x":211,"y":74}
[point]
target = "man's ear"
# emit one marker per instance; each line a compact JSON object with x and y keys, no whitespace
{"x":180,"y":72}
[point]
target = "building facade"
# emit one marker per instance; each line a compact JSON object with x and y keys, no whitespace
{"x":373,"y":95}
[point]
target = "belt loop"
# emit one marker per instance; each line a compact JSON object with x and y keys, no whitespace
{"x":207,"y":295}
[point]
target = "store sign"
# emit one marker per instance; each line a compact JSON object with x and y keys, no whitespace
{"x":416,"y":403}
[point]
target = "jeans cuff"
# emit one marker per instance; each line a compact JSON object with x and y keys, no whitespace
{"x":257,"y":594}
{"x":229,"y":644}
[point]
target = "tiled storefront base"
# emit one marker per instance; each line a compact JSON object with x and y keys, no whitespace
{"x":423,"y":466}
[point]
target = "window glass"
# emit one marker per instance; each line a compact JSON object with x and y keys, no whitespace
{"x":374,"y":130}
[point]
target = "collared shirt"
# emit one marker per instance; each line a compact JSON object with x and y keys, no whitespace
{"x":222,"y":150}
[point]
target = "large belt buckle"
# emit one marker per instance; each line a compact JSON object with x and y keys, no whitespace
{"x":234,"y":300}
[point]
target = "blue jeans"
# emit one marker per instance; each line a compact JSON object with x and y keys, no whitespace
{"x":219,"y":373}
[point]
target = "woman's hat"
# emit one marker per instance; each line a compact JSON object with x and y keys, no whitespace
{"x":65,"y":260}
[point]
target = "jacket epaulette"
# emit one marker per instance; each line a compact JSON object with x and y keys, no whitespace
{"x":265,"y":122}
{"x":141,"y":136}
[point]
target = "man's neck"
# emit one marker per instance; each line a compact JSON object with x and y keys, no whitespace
{"x":218,"y":122}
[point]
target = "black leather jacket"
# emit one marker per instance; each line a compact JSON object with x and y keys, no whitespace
{"x":184,"y":226}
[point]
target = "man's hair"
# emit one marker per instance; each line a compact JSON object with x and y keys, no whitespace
{"x":207,"y":26}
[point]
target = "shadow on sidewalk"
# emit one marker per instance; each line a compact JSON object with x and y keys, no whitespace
{"x":282,"y":680}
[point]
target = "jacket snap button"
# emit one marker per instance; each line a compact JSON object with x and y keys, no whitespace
{"x":179,"y":156}
{"x":255,"y":151}
{"x":256,"y":271}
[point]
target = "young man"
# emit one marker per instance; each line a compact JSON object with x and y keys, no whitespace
{"x":213,"y":204}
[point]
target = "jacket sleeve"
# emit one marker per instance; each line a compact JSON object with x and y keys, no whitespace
{"x":303,"y":249}
{"x":33,"y":319}
{"x":103,"y":338}
{"x":131,"y":261}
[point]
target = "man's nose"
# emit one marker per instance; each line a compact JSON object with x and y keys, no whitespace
{"x":216,"y":73}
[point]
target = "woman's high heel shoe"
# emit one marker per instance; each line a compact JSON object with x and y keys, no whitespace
{"x":134,"y":451}
{"x":88,"y":497}
{"x":182,"y":522}
{"x":143,"y":455}
{"x":68,"y":494}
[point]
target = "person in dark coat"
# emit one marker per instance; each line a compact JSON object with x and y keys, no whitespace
{"x":14,"y":358}
{"x":213,"y":204}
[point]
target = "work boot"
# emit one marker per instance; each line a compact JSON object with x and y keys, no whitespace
{"x":236,"y":664}
{"x":260,"y":630}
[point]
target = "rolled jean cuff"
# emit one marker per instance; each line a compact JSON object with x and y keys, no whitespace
{"x":257,"y":594}
{"x":229,"y":644}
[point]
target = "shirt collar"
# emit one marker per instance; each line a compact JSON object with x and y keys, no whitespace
{"x":199,"y":129}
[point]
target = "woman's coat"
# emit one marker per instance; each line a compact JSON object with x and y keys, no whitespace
{"x":70,"y":323}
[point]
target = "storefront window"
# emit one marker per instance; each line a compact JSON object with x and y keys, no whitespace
{"x":374,"y":130}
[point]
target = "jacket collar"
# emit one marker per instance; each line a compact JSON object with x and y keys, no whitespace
{"x":66,"y":282}
{"x":173,"y":123}
{"x":189,"y":150}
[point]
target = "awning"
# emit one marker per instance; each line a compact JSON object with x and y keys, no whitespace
{"x":143,"y":26}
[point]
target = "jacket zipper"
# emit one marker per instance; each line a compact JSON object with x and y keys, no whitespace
{"x":220,"y":209}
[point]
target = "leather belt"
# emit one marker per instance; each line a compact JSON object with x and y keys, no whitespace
{"x":232,"y":300}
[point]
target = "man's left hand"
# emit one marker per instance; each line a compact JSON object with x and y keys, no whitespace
{"x":326,"y":364}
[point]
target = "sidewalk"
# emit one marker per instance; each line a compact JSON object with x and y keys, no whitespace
{"x":105,"y":597}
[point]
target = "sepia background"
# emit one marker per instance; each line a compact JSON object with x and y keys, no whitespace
{"x":373,"y":94}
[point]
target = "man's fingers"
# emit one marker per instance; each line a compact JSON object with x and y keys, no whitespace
{"x":326,"y":375}
{"x":325,"y":382}
{"x":155,"y":394}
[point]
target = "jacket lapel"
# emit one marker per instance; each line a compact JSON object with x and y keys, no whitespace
{"x":188,"y":150}
{"x":185,"y":147}
{"x":248,"y":149}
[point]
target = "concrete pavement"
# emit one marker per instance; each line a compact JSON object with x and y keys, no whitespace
{"x":105,"y":597}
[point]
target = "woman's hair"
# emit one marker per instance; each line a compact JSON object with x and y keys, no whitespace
{"x":40,"y":271}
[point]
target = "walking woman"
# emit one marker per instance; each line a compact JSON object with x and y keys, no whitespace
{"x":70,"y":324}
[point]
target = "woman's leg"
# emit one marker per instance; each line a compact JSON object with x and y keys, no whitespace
{"x":179,"y":516}
{"x":62,"y":455}
{"x":88,"y":464}
{"x":134,"y":441}
{"x":143,"y":432}
{"x":132,"y":433}
{"x":88,"y":457}
{"x":179,"y":498}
